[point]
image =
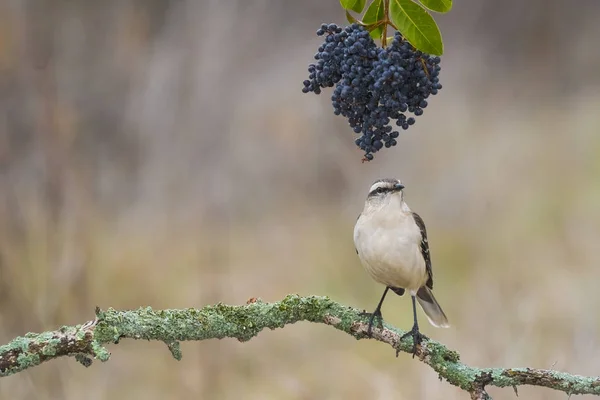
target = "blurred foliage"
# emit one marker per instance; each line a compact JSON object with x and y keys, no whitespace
{"x":161,"y":153}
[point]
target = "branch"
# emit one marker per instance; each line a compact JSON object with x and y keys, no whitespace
{"x":86,"y":341}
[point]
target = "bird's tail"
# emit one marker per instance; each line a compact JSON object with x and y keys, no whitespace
{"x":432,"y":309}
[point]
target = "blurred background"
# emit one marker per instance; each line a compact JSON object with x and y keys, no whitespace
{"x":160,"y":153}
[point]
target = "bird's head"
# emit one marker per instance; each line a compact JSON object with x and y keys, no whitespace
{"x":384,"y":190}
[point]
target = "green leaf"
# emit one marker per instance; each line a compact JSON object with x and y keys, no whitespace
{"x":441,"y":6}
{"x":354,"y":5}
{"x":374,"y":14}
{"x":417,"y":26}
{"x":376,"y":33}
{"x":353,"y":20}
{"x":350,"y":18}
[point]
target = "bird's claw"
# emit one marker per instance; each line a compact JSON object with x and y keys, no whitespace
{"x":372,"y":316}
{"x":417,"y":336}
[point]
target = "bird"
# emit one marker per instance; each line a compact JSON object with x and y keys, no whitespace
{"x":391,"y":243}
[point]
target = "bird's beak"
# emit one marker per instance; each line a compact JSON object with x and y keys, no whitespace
{"x":399,"y":186}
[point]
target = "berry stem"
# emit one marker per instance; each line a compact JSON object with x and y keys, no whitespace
{"x":386,"y":15}
{"x":424,"y":66}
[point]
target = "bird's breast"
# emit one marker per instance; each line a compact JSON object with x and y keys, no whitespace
{"x":389,"y":247}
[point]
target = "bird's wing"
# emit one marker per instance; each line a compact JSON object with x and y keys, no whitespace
{"x":424,"y":248}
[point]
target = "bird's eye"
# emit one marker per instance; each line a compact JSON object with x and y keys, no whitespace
{"x":380,"y":190}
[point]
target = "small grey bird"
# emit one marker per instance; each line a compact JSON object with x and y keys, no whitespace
{"x":391,"y":242}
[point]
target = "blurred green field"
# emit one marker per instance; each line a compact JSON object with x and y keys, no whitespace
{"x":145,"y":163}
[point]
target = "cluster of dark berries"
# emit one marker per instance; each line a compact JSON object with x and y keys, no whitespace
{"x":374,"y":86}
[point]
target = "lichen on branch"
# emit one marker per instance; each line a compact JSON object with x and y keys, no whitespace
{"x":86,"y":342}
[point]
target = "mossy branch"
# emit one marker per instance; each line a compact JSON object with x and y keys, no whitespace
{"x":86,"y":341}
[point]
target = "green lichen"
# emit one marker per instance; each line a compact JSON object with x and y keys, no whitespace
{"x":175,"y":350}
{"x":27,"y":360}
{"x":49,"y":349}
{"x":83,"y":360}
{"x":100,"y":353}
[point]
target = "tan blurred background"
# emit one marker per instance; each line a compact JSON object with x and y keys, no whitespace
{"x":161,"y":153}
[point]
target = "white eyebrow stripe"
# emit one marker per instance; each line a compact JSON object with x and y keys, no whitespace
{"x":384,"y":183}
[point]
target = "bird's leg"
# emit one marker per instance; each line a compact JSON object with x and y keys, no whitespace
{"x":376,"y":313}
{"x":414,"y":332}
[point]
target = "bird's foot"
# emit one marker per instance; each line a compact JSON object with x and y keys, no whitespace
{"x":372,"y":316}
{"x":417,"y":336}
